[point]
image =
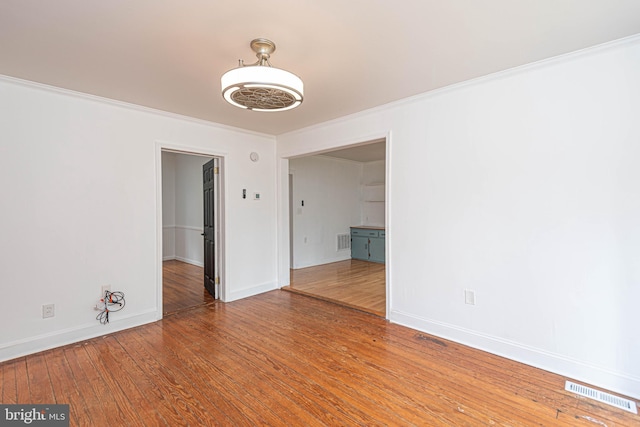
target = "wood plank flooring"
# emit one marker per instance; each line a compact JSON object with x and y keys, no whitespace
{"x":182,"y":286}
{"x":354,"y":283}
{"x":283,"y":359}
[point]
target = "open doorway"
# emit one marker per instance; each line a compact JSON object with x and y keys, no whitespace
{"x":331,"y":196}
{"x":184,"y":258}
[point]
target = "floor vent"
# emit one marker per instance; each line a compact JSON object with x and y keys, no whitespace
{"x":601,"y":396}
{"x":344,"y":241}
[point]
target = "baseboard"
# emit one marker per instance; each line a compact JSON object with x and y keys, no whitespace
{"x":561,"y":365}
{"x":324,"y":261}
{"x":63,"y":337}
{"x":189,"y":261}
{"x":249,"y":292}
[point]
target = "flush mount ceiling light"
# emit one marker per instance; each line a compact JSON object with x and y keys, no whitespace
{"x":259,"y":86}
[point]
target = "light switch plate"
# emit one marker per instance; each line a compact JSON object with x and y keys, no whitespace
{"x":469,"y":297}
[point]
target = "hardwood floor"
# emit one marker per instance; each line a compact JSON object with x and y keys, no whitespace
{"x":354,"y":283}
{"x":283,"y":359}
{"x":182,"y":287}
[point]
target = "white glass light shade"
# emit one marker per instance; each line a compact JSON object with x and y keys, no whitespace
{"x":262,"y":88}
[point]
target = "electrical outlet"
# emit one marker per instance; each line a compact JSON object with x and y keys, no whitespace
{"x":105,"y":288}
{"x":469,"y":297}
{"x":48,"y":310}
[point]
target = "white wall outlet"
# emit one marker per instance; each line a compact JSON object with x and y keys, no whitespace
{"x":469,"y":297}
{"x":48,"y":310}
{"x":105,"y":288}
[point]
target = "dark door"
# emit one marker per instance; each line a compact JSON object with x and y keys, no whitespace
{"x":208,"y":178}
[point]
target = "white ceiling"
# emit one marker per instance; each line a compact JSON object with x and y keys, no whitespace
{"x":352,"y":55}
{"x":369,"y":152}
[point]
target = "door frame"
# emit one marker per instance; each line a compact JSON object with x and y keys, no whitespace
{"x":164,"y":146}
{"x":284,"y":256}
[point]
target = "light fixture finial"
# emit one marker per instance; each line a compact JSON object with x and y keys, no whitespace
{"x":259,"y":86}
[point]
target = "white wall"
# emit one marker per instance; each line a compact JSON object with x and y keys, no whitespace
{"x":82,"y":208}
{"x":183,"y":176}
{"x":524,"y":188}
{"x":332,"y":198}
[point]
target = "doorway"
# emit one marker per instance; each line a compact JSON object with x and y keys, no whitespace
{"x":184,"y":258}
{"x":329,"y":193}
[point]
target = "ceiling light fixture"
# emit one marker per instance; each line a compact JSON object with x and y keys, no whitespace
{"x":259,"y":86}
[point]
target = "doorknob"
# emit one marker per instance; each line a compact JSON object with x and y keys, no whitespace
{"x":203,"y":234}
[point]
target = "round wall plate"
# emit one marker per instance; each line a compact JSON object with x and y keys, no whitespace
{"x":254,"y":156}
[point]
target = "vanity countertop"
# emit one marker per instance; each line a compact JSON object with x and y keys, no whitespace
{"x":369,"y":227}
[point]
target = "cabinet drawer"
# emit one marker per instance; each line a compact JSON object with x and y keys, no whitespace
{"x":364,"y":232}
{"x":358,"y":232}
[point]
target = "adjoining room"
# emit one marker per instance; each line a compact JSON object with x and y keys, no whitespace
{"x":337,"y":231}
